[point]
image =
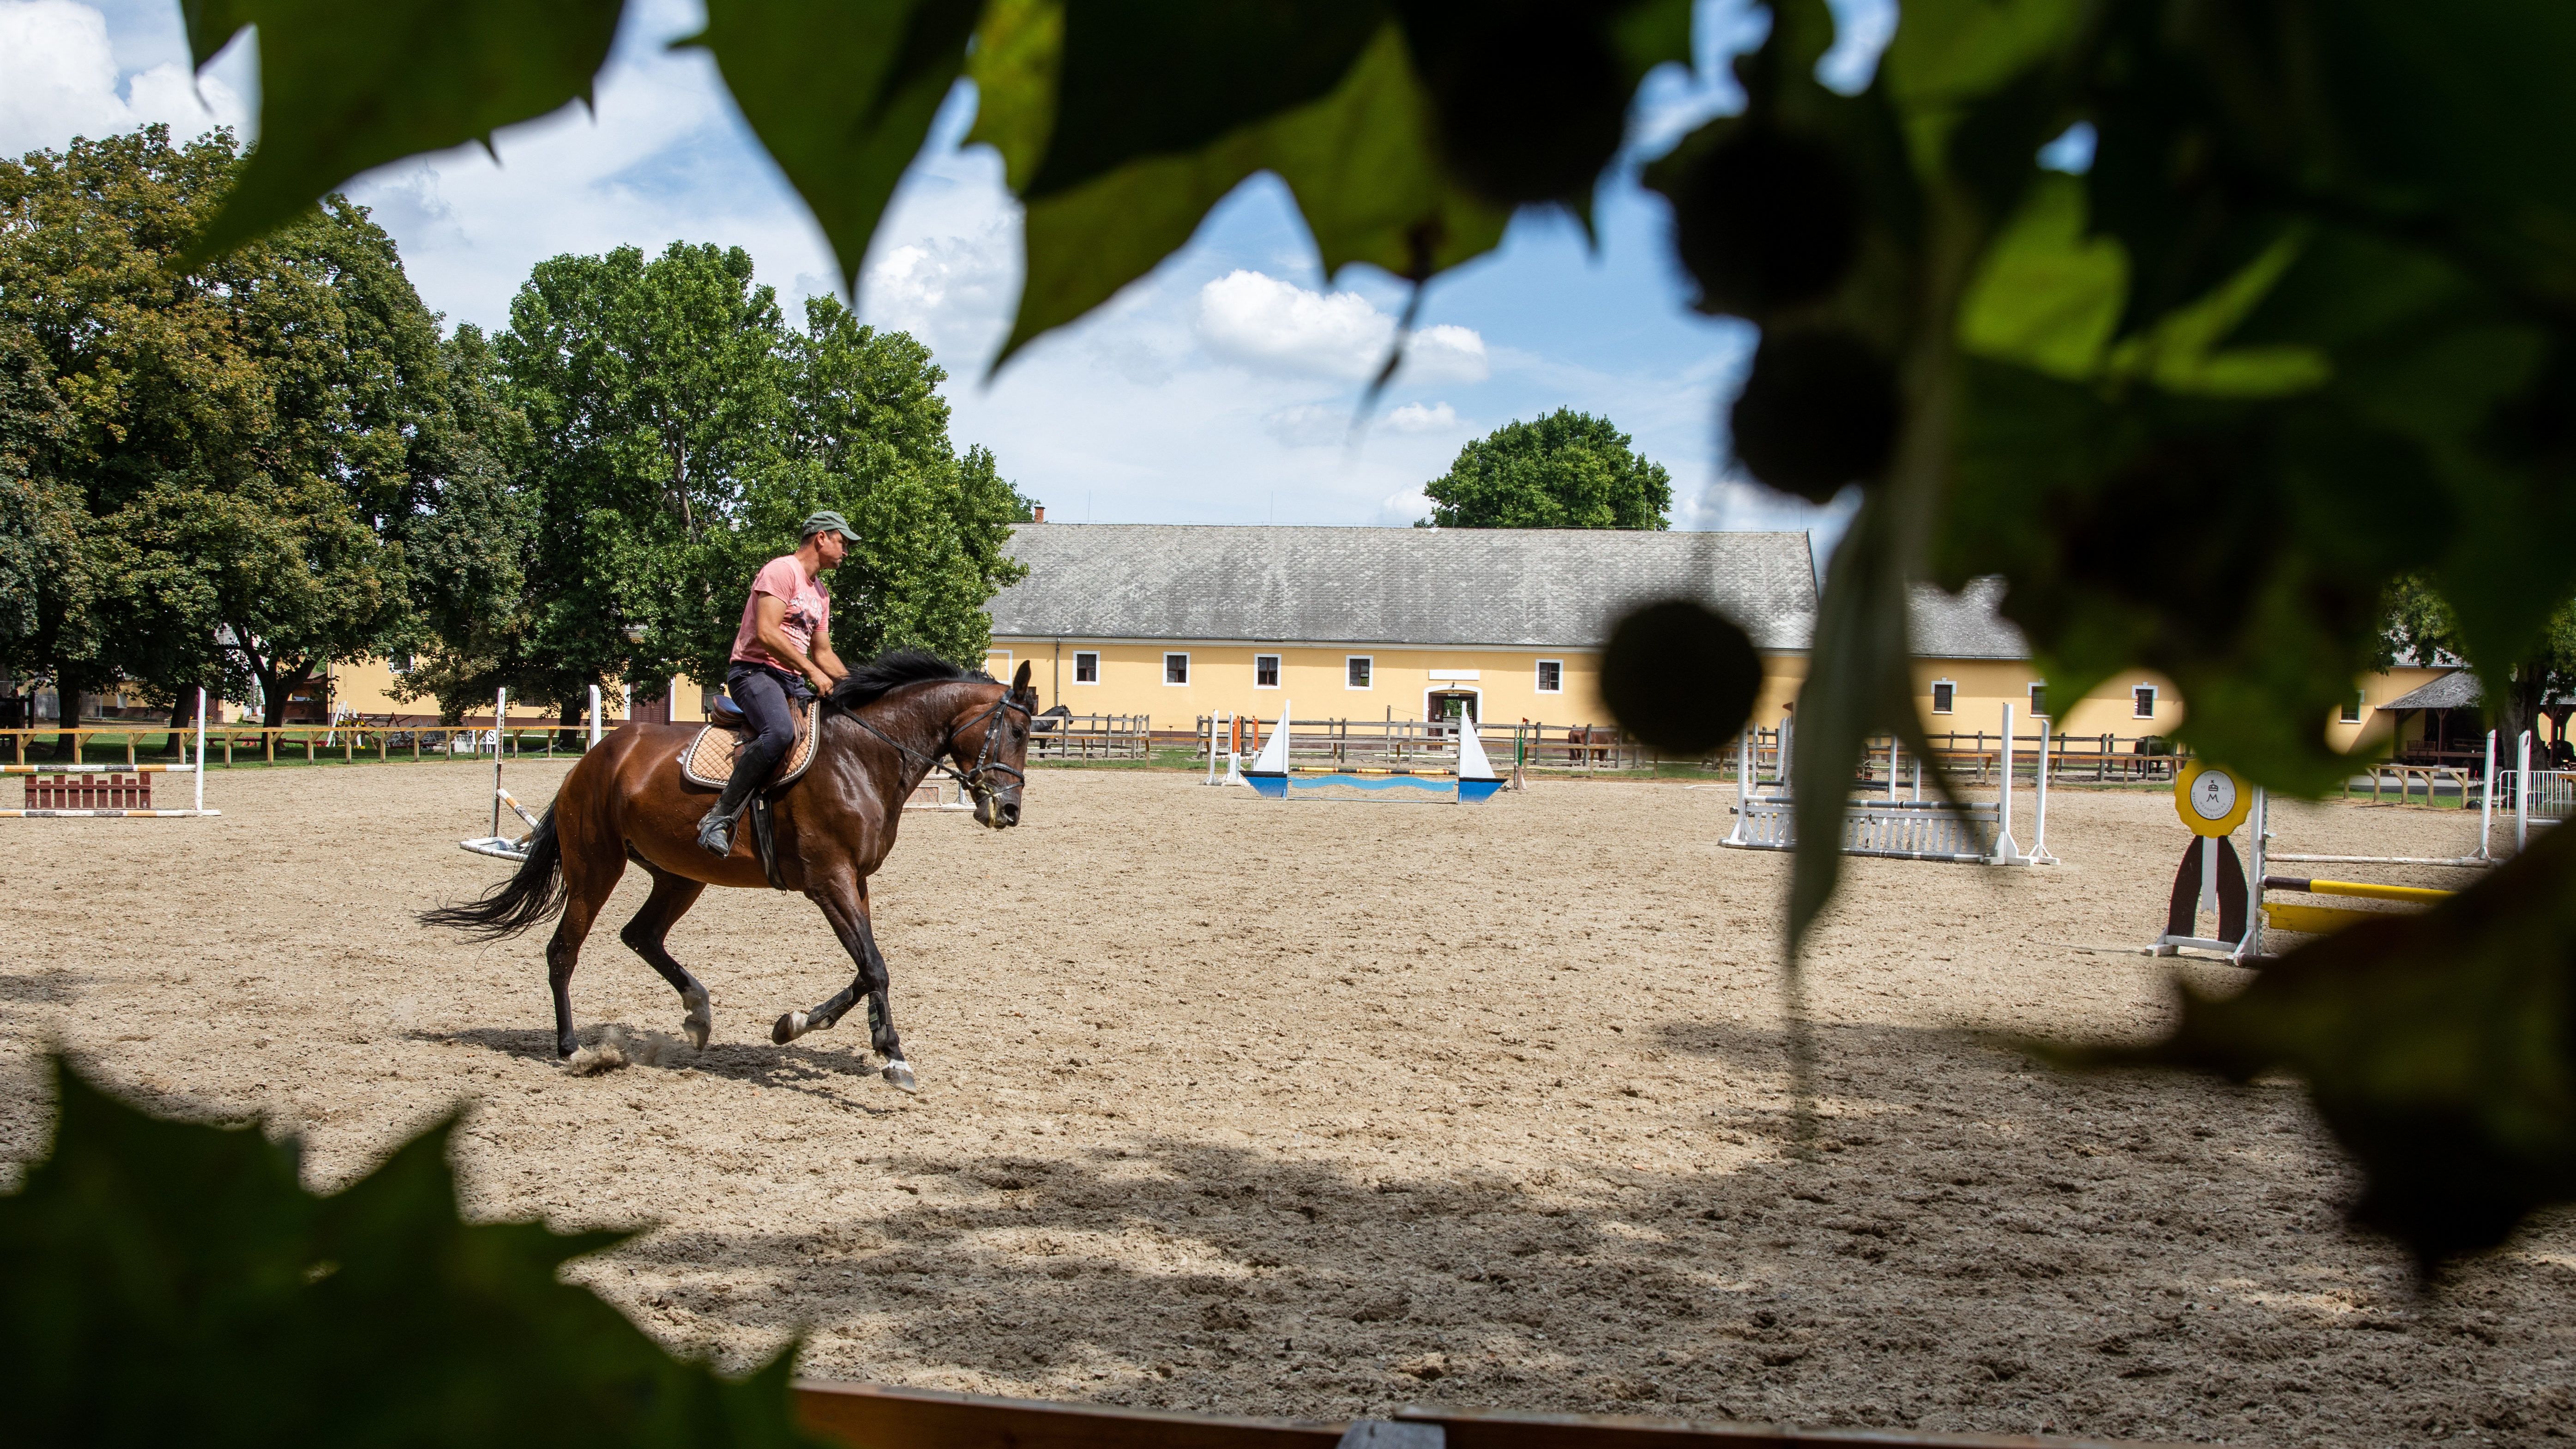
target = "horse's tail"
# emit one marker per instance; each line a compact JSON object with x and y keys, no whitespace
{"x":532,"y":895}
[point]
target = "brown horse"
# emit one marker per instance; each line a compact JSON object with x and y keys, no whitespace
{"x":883,"y":730}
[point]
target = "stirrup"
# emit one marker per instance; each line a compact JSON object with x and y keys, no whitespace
{"x":715,"y":835}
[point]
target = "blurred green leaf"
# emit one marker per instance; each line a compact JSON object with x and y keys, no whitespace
{"x":2441,"y":1048}
{"x":2047,"y":296}
{"x":345,"y":88}
{"x":842,"y":93}
{"x":1359,"y":161}
{"x":212,"y":24}
{"x":1016,"y":54}
{"x":266,"y":1315}
{"x":1148,"y":78}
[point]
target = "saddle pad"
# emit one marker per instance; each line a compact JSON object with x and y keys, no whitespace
{"x":708,"y":760}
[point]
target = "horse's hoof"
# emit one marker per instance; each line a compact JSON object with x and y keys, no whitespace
{"x":899,"y":1072}
{"x":698,"y":1029}
{"x":565,"y":1046}
{"x":788,"y":1028}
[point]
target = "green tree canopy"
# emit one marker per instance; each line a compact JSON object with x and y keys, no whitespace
{"x":653,"y":392}
{"x":1565,"y":470}
{"x":249,"y":438}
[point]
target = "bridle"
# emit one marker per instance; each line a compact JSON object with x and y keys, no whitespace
{"x":971,"y":779}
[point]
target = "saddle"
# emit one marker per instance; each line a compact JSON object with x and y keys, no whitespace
{"x":709,"y":758}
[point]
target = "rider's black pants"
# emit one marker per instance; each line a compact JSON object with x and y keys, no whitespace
{"x":763,"y":693}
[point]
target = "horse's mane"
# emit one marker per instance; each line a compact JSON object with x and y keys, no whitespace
{"x":891,"y":671}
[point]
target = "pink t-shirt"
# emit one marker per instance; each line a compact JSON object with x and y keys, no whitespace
{"x":809,"y":610}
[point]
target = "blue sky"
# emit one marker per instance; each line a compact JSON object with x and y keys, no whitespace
{"x":1218,"y":389}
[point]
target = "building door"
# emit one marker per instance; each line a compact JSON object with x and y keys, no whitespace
{"x":1447,"y":706}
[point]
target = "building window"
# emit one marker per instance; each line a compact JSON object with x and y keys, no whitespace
{"x":1265,"y":671}
{"x":1357,"y":667}
{"x":400,"y":663}
{"x":1086,"y":667}
{"x":1551,"y":676}
{"x":2142,"y":702}
{"x":1176,"y":669}
{"x":2352,"y":708}
{"x":1945,"y":694}
{"x":2039,"y":701}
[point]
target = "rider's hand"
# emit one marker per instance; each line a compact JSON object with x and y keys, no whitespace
{"x":822,"y":682}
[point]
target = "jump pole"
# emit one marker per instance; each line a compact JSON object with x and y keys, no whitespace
{"x":594,"y":717}
{"x":500,"y":707}
{"x":2522,"y":792}
{"x":2486,"y":799}
{"x":2007,"y":850}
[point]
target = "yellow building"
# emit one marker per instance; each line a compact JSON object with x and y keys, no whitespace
{"x":1181,"y":621}
{"x":365,"y":689}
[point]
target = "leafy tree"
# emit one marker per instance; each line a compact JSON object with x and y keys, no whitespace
{"x":653,"y":393}
{"x":1566,"y":470}
{"x":39,"y":525}
{"x":2418,"y":624}
{"x":472,"y":549}
{"x":249,"y":439}
{"x":270,"y":1315}
{"x":2315,"y":278}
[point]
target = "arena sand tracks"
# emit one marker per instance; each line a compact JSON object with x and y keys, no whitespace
{"x":1316,"y":1109}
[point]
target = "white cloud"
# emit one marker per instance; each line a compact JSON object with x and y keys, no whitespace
{"x":1273,"y":326}
{"x":1403,"y":508}
{"x":58,"y":80}
{"x":1276,"y":326}
{"x":1415,"y":418}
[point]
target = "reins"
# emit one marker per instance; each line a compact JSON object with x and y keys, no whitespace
{"x":971,"y":779}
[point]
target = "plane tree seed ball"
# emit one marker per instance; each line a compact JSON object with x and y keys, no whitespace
{"x":1680,"y":676}
{"x":1530,"y":98}
{"x":1766,"y":220}
{"x":1820,"y":410}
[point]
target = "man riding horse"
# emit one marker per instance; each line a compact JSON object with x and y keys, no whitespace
{"x":880,"y":730}
{"x":785,"y":641}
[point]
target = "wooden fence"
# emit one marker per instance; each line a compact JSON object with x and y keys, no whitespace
{"x":1093,"y":737}
{"x":869,"y":1416}
{"x":1544,"y":748}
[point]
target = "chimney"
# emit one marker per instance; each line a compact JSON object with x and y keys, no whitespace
{"x":1041,"y":513}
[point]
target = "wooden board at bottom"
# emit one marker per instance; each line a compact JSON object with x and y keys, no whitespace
{"x":872,"y":1416}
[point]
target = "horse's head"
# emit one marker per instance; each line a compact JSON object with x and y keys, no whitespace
{"x":991,"y":747}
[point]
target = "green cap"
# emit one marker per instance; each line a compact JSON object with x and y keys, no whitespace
{"x":828,"y":522}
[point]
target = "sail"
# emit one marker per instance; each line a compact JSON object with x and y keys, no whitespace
{"x":1472,"y":764}
{"x":1273,"y":759}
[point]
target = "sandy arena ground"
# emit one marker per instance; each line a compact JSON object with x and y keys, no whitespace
{"x":1319,"y":1108}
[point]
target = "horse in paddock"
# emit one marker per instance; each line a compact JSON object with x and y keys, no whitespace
{"x":881,"y":731}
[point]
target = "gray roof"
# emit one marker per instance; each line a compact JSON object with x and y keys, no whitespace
{"x":1965,"y":625}
{"x":1535,"y":587}
{"x":1544,"y":588}
{"x":2455,"y":690}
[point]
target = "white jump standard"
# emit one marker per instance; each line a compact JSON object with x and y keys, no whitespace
{"x":47,"y":784}
{"x":1893,"y":829}
{"x":2212,"y":881}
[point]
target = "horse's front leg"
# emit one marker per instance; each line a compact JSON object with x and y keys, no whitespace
{"x":845,"y":905}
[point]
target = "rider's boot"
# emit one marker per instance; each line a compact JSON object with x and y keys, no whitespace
{"x":750,"y":767}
